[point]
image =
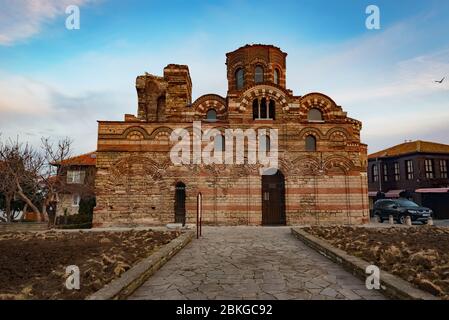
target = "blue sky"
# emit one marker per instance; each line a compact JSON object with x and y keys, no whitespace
{"x":57,"y":82}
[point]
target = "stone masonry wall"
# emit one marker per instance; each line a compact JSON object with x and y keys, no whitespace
{"x":135,"y":181}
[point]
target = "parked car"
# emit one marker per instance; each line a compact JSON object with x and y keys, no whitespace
{"x":400,"y":209}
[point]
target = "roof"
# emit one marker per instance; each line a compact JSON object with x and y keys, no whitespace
{"x":88,"y":159}
{"x":433,"y":190}
{"x":267,"y":46}
{"x":418,"y":146}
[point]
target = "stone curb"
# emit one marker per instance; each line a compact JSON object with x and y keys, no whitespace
{"x":132,"y":279}
{"x":393,"y":286}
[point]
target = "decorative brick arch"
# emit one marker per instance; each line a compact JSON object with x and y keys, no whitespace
{"x":263,"y":91}
{"x":338,"y":162}
{"x":340,"y":131}
{"x":135,"y":131}
{"x":124,"y":167}
{"x":319,"y":101}
{"x":165,"y":131}
{"x":286,"y":166}
{"x":307,"y":165}
{"x":210,"y":101}
{"x":312,"y":131}
{"x":205,"y":102}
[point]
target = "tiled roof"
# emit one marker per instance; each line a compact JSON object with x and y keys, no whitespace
{"x":411,"y":147}
{"x":88,"y":159}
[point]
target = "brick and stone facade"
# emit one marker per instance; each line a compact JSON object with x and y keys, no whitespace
{"x":136,"y":181}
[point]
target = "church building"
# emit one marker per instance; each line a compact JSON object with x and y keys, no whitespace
{"x":321,"y":176}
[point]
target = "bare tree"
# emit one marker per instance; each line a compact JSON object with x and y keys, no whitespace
{"x":52,"y":174}
{"x":35,"y":176}
{"x":7,"y":190}
{"x":20,"y":170}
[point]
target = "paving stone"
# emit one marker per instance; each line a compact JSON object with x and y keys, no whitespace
{"x":251,"y":263}
{"x":329,"y":292}
{"x":195,"y":296}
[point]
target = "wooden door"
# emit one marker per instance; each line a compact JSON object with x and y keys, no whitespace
{"x":273,"y":199}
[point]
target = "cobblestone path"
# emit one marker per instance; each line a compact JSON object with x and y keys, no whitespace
{"x":251,"y":263}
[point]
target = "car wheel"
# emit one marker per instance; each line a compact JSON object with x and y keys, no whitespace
{"x":377,"y":218}
{"x":402,"y":219}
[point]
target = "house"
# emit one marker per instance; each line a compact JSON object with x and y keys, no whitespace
{"x":417,"y":169}
{"x":320,"y":176}
{"x":77,"y":183}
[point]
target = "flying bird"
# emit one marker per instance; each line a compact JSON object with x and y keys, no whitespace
{"x":441,"y":81}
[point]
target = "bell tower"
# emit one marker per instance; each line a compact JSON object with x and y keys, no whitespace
{"x":255,"y":64}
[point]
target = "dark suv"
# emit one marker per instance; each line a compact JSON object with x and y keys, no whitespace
{"x":400,"y":209}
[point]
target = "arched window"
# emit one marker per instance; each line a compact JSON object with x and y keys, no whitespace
{"x":276,"y":76}
{"x":211,"y":115}
{"x":239,"y":78}
{"x":255,"y":109}
{"x":264,"y":143}
{"x":258,"y":74}
{"x":315,"y":114}
{"x":310,"y":143}
{"x":264,"y":109}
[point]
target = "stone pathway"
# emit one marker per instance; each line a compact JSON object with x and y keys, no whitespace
{"x":251,"y":263}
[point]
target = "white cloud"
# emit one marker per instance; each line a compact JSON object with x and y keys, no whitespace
{"x":31,"y":109}
{"x":415,"y":76}
{"x":22,"y":19}
{"x":19,"y":95}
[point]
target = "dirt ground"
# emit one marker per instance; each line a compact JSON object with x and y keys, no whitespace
{"x":32,"y":265}
{"x":419,"y":255}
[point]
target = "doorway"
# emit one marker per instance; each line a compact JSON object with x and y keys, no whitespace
{"x":180,"y":203}
{"x":273,"y":199}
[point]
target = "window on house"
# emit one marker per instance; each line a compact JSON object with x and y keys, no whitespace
{"x":75,"y":176}
{"x":264,"y":109}
{"x":240,"y":78}
{"x":375,"y":170}
{"x":428,"y":164}
{"x":258,"y":74}
{"x":310,"y":143}
{"x":409,"y":169}
{"x":76,"y":200}
{"x":443,"y":169}
{"x":315,"y":114}
{"x":385,"y":167}
{"x":397,"y":173}
{"x":211,"y":115}
{"x":276,"y":76}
